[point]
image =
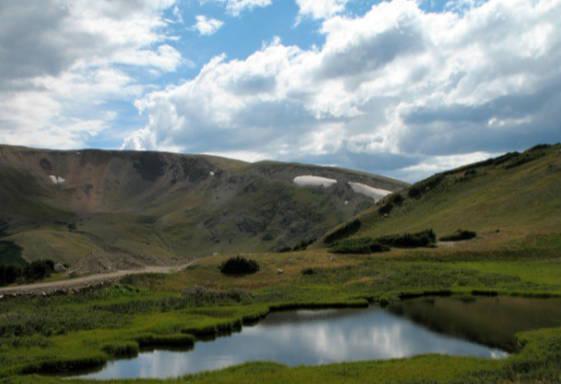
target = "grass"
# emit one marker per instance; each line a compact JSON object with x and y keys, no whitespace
{"x":512,"y":203}
{"x":62,"y":333}
{"x":502,"y":204}
{"x":122,"y":209}
{"x":361,"y":245}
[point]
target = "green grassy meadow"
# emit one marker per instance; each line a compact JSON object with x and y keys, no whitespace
{"x":63,"y":333}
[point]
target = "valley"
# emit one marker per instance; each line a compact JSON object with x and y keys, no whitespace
{"x":504,"y":259}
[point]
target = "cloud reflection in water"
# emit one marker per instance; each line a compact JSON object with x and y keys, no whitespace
{"x":302,"y":338}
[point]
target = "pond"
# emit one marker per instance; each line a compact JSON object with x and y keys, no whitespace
{"x":482,"y":327}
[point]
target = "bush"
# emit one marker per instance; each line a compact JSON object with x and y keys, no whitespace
{"x":385,"y":209}
{"x":239,"y":266}
{"x":422,"y":187}
{"x":395,"y":199}
{"x":345,"y":231}
{"x":425,"y":238}
{"x":360,"y":246}
{"x":459,"y":235}
{"x":38,"y":270}
{"x":9,"y":274}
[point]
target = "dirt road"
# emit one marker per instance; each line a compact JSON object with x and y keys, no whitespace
{"x":79,"y":283}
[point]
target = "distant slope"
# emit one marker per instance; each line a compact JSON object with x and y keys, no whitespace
{"x":101,"y":210}
{"x":511,"y":198}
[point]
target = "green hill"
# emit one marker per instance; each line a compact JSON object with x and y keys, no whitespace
{"x":509,"y":200}
{"x":100,"y":210}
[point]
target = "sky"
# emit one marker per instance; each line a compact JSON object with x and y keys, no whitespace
{"x":403,"y":88}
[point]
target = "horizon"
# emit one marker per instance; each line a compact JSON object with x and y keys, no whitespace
{"x":402,"y":88}
{"x":357,"y":170}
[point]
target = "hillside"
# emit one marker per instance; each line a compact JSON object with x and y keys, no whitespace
{"x":103,"y":210}
{"x":510,"y":200}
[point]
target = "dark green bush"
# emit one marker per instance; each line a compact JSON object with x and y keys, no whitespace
{"x":396,"y":199}
{"x":390,"y":202}
{"x":239,"y":266}
{"x":9,"y":274}
{"x":385,"y":209}
{"x":38,"y":270}
{"x":304,"y":244}
{"x":459,"y":235}
{"x":422,"y":187}
{"x":360,"y":246}
{"x":425,"y":238}
{"x":345,"y":231}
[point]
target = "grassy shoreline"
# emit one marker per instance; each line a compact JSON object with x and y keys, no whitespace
{"x":153,"y":311}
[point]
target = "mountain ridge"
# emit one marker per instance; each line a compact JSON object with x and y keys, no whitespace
{"x":510,"y":200}
{"x":101,"y":210}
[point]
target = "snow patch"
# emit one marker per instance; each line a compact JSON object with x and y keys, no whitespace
{"x":57,"y":180}
{"x":314,"y":181}
{"x":375,"y":193}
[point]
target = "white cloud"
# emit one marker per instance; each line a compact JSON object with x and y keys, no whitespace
{"x":320,"y":9}
{"x":207,"y":26}
{"x":63,"y":61}
{"x":236,"y":7}
{"x":398,"y":84}
{"x":435,"y":164}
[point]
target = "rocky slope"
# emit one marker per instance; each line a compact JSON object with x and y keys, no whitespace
{"x":102,"y":210}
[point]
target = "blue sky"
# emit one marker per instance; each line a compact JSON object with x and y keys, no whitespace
{"x":404,"y":88}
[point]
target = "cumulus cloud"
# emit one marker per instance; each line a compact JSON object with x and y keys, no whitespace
{"x":398,"y":85}
{"x":62,"y":61}
{"x":236,"y":7}
{"x":207,"y":26}
{"x":320,"y":9}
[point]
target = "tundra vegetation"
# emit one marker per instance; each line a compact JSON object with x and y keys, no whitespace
{"x":459,"y":235}
{"x":34,"y":271}
{"x":517,"y":252}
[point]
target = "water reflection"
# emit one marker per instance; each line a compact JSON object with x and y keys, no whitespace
{"x":302,"y":338}
{"x":488,"y":320}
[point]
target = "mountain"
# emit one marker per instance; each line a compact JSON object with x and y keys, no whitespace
{"x":509,"y":200}
{"x":100,"y":210}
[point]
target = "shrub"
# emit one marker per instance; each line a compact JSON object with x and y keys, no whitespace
{"x":360,"y":246}
{"x":419,"y":189}
{"x":385,"y":209}
{"x":459,"y":235}
{"x":239,"y":266}
{"x":304,"y":244}
{"x":395,"y":199}
{"x":425,"y":238}
{"x":38,"y":270}
{"x":9,"y":274}
{"x":345,"y":231}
